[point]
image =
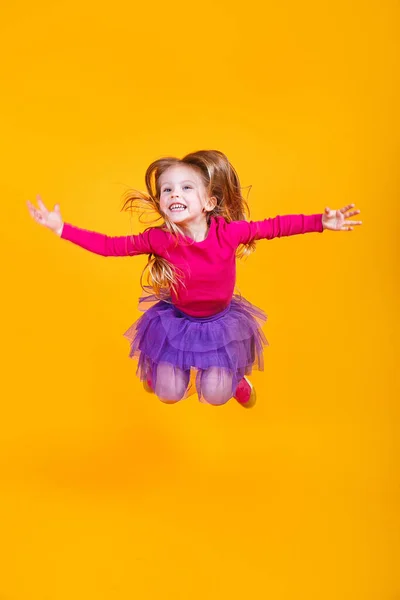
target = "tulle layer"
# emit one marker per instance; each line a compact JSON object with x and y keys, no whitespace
{"x":232,"y":339}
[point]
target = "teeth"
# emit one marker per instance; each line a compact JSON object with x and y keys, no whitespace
{"x":177,"y":207}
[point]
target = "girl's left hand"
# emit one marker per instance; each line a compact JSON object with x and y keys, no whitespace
{"x":335,"y":220}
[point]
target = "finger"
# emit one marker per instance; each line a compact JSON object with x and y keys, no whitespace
{"x":346,"y":208}
{"x":41,"y":205}
{"x":57,"y":209}
{"x":31,"y":206}
{"x":32,"y":210}
{"x":327,"y":210}
{"x":36,"y":215}
{"x":353,"y":222}
{"x":352,"y":213}
{"x":346,"y":229}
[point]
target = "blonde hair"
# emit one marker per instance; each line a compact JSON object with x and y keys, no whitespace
{"x":221,"y":182}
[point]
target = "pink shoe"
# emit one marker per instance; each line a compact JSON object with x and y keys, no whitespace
{"x":147,"y":383}
{"x":245,"y":393}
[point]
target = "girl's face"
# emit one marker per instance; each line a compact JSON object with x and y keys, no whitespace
{"x":183,"y":196}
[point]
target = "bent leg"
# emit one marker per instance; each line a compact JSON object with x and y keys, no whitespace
{"x":171,"y":383}
{"x":215,"y":385}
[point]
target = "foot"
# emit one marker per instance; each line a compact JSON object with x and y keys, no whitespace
{"x":147,"y":384}
{"x":245,"y":393}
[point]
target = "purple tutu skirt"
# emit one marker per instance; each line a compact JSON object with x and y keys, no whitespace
{"x":232,"y":339}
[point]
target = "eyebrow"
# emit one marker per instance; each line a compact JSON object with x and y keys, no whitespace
{"x":184,"y":181}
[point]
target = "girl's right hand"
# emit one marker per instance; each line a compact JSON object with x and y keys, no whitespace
{"x":43,"y":216}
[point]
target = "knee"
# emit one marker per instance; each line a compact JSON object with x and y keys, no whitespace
{"x":215,"y":397}
{"x":215,"y":386}
{"x":169,"y":393}
{"x":166,"y":401}
{"x":170,"y":383}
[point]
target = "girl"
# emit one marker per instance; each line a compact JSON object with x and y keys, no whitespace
{"x":194,"y":319}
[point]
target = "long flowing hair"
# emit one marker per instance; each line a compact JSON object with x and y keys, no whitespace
{"x":221,"y":182}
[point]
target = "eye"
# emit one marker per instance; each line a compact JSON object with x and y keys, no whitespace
{"x":188,"y":186}
{"x":166,"y":189}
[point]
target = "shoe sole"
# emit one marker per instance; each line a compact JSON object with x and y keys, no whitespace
{"x":253,"y":397}
{"x":147,"y":388}
{"x":251,"y":401}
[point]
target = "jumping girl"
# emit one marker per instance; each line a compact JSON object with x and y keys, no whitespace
{"x":194,"y":321}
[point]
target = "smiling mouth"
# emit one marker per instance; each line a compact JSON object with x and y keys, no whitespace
{"x":177,"y":207}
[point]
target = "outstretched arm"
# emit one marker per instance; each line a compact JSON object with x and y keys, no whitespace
{"x":244,"y":232}
{"x":105,"y":245}
{"x":98,"y":243}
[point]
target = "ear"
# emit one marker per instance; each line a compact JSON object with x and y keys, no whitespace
{"x":210,"y":204}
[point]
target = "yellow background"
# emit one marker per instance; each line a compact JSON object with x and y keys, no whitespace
{"x":106,"y":493}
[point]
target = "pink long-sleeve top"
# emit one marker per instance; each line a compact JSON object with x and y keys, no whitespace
{"x":208,"y":268}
